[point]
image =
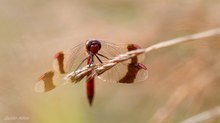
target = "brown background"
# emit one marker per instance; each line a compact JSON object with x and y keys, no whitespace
{"x":183,"y":79}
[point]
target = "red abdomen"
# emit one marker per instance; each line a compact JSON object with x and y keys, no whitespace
{"x":90,"y":87}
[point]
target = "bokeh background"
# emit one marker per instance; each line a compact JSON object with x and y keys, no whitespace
{"x":183,"y":79}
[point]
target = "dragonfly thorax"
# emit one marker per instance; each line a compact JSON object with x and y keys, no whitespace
{"x":93,"y":46}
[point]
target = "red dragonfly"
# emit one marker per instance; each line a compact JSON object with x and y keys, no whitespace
{"x":91,"y":53}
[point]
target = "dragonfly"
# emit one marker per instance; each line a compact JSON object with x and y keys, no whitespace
{"x":94,"y":52}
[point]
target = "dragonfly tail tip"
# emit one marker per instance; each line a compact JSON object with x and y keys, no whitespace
{"x":90,"y":101}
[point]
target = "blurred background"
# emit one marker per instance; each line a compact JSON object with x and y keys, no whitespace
{"x":183,"y":81}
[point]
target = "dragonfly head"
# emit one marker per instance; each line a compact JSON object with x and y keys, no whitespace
{"x":93,"y":46}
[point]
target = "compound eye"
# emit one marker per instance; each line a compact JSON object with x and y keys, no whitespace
{"x":88,"y":45}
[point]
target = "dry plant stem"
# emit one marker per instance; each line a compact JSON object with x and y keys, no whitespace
{"x":203,"y":116}
{"x":167,"y":43}
{"x":122,"y":57}
{"x":76,"y":76}
{"x":187,"y":38}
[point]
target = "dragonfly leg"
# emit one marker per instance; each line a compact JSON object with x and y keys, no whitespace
{"x":90,"y":60}
{"x":81,"y":63}
{"x":103,"y":56}
{"x":141,"y":66}
{"x":99,"y":59}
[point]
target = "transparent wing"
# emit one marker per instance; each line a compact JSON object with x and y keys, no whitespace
{"x":120,"y":73}
{"x":68,"y":61}
{"x":75,"y":57}
{"x":71,"y":59}
{"x":142,"y":75}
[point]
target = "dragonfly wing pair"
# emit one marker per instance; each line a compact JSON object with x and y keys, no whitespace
{"x":65,"y":62}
